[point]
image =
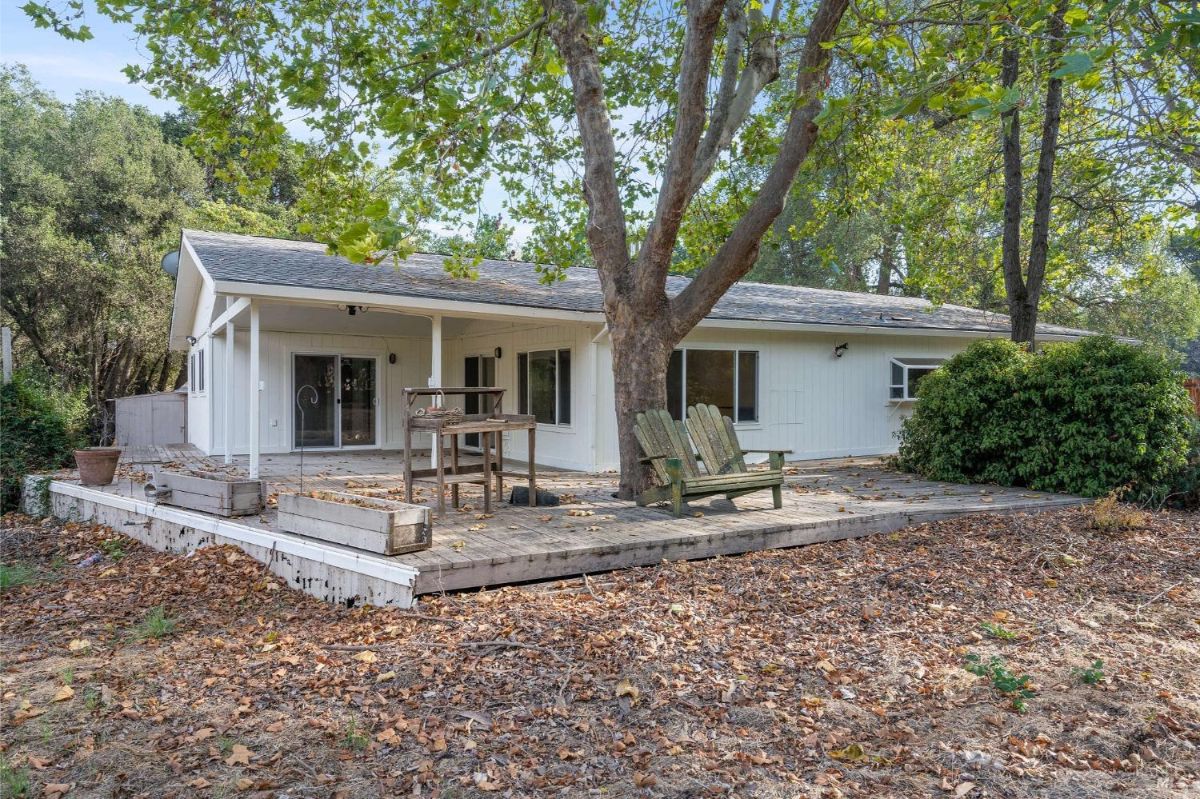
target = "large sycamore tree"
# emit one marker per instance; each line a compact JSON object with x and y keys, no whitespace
{"x":601,"y":122}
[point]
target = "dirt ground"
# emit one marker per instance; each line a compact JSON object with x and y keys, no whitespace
{"x":831,"y":670}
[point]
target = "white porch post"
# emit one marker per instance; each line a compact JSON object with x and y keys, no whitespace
{"x":435,"y":379}
{"x":227,"y":398}
{"x":255,"y":390}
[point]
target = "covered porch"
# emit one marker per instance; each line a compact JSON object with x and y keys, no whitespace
{"x":590,"y":531}
{"x":273,"y":377}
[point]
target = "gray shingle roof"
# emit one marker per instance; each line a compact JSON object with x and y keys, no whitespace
{"x":251,"y":259}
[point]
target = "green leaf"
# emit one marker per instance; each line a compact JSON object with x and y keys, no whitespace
{"x":1075,"y":16}
{"x":1073,"y":65}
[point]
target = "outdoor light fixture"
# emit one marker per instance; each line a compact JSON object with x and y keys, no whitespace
{"x":192,"y":340}
{"x":499,"y":352}
{"x":840,"y":349}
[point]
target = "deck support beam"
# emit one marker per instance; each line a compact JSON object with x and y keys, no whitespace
{"x":255,"y":389}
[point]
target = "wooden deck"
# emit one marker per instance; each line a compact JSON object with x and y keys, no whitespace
{"x":592,"y":531}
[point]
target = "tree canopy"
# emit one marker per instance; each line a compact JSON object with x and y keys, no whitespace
{"x":94,"y":193}
{"x":1030,"y":155}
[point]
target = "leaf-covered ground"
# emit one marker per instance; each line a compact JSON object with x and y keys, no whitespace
{"x":831,"y":670}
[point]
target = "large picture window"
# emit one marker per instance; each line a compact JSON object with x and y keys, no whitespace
{"x":907,"y":373}
{"x":544,"y":385}
{"x":725,"y":378}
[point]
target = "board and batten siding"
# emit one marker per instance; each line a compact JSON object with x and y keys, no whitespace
{"x":570,"y":446}
{"x":279,"y":400}
{"x":809,"y":401}
{"x":566,"y":446}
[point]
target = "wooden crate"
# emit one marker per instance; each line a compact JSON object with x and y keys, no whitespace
{"x":386,"y":526}
{"x":208,"y":492}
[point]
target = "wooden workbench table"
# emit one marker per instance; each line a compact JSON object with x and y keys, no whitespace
{"x":490,"y":427}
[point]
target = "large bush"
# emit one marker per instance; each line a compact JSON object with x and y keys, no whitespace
{"x":1084,"y":417}
{"x":39,"y":429}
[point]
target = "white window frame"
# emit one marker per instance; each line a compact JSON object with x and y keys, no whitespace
{"x":197,"y":377}
{"x":737,"y":378}
{"x":527,"y":400}
{"x":906,"y":365}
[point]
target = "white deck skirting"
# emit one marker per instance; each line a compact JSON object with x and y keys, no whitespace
{"x":336,"y":574}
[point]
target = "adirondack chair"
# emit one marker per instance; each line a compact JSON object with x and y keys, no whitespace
{"x":676,"y":465}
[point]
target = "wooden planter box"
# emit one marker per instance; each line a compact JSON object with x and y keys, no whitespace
{"x":386,"y":526}
{"x":209,"y":492}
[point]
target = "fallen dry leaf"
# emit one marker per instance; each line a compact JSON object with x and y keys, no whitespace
{"x":239,"y":755}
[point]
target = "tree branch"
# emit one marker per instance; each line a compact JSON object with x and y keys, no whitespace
{"x":734,"y":103}
{"x":737,"y":254}
{"x":654,"y":258}
{"x":606,"y":226}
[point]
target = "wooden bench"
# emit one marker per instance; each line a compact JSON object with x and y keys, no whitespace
{"x":668,"y":446}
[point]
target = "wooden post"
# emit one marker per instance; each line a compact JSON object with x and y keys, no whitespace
{"x":227,"y":389}
{"x":405,"y":411}
{"x":532,"y":471}
{"x":499,"y":467}
{"x":435,"y":380}
{"x":6,"y":335}
{"x":436,"y":452}
{"x":484,"y":438}
{"x":454,"y":469}
{"x":255,"y":389}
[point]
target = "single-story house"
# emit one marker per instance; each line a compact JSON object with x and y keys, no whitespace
{"x":823,"y":373}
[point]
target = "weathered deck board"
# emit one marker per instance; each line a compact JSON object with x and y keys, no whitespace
{"x":823,"y":500}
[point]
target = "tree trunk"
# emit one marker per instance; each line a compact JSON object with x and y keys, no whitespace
{"x":887,"y":264}
{"x":1039,"y":237}
{"x":1019,"y":312}
{"x":640,"y":353}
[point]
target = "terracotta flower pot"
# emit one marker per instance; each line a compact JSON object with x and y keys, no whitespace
{"x":97,"y":465}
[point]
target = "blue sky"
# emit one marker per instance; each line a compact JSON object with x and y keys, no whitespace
{"x":66,"y":67}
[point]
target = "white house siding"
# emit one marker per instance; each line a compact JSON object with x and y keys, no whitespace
{"x":279,"y":404}
{"x":198,"y":405}
{"x":809,"y":401}
{"x":565,"y":446}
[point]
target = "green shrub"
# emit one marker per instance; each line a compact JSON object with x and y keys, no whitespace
{"x":39,"y":430}
{"x":1184,"y":490}
{"x":1086,"y":417}
{"x":967,"y":422}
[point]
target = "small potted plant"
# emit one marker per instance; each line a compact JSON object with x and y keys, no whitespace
{"x":97,"y":465}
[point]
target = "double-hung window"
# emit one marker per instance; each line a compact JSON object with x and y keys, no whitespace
{"x":544,"y":385}
{"x":725,"y":378}
{"x":196,"y":371}
{"x":907,"y":373}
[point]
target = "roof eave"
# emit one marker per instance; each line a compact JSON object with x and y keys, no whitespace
{"x":419,"y":306}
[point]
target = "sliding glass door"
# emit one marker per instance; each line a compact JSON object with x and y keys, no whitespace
{"x":358,"y":402}
{"x":315,"y":397}
{"x":334,"y":401}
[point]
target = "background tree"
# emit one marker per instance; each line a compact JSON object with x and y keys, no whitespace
{"x":94,"y":193}
{"x":1065,"y":67}
{"x":92,"y":198}
{"x":489,"y":237}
